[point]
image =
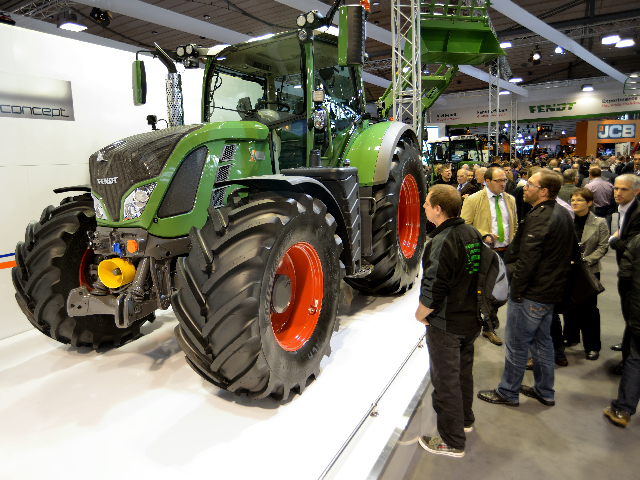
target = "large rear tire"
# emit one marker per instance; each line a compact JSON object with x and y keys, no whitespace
{"x":259,"y":294}
{"x":399,"y":225}
{"x":54,"y":259}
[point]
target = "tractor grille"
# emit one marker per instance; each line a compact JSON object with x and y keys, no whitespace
{"x":222,"y":175}
{"x":228,"y":151}
{"x":119,"y":166}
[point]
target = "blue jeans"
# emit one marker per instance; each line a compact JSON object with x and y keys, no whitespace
{"x":629,"y":389}
{"x":528,"y":328}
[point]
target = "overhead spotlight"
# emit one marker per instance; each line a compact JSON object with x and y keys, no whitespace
{"x":536,"y":55}
{"x":625,"y":42}
{"x":102,"y":17}
{"x":206,"y":17}
{"x":505,"y":92}
{"x":559,"y":50}
{"x":506,"y":45}
{"x":587,"y":88}
{"x":515,"y":80}
{"x":69,"y":21}
{"x":563,"y":132}
{"x":634,"y":75}
{"x":610,"y":39}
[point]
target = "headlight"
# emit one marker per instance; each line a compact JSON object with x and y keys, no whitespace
{"x":136,"y":201}
{"x":99,"y":208}
{"x":319,"y":119}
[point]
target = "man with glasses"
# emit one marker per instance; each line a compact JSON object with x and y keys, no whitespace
{"x":626,"y":188}
{"x":538,"y":264}
{"x":493,"y":213}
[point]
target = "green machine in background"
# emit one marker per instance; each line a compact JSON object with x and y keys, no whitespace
{"x":246,"y":223}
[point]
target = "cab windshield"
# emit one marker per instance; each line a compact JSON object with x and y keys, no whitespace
{"x":260,"y":80}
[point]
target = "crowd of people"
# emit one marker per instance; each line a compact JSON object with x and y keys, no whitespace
{"x":538,"y":216}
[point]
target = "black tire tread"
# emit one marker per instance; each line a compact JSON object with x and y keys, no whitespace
{"x":392,"y":273}
{"x":41,"y":291}
{"x":225,"y":345}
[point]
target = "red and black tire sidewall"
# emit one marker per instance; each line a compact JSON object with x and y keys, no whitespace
{"x":292,"y":366}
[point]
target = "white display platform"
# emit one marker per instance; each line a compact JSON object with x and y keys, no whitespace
{"x":140,"y":412}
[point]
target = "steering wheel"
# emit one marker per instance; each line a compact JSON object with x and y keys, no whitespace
{"x":281,"y":105}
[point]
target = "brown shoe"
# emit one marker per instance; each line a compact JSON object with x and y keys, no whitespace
{"x":493,"y":338}
{"x":530,"y":364}
{"x":617,"y":417}
{"x":562,"y":362}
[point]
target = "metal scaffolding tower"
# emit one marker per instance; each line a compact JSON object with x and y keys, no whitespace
{"x":493,"y":123}
{"x":405,"y":31}
{"x":513,"y":127}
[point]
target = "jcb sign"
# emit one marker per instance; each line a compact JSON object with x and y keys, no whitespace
{"x":616,"y":131}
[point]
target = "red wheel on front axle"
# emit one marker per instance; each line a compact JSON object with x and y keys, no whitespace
{"x":296,"y":296}
{"x":409,"y":216}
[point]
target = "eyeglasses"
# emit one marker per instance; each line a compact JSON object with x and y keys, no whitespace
{"x":531,"y":185}
{"x":504,"y":180}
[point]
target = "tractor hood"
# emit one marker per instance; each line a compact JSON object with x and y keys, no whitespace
{"x":117,"y":167}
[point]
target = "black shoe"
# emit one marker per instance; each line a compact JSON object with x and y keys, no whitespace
{"x":617,"y":347}
{"x":492,"y":396}
{"x":593,"y":355}
{"x":531,"y":392}
{"x":617,"y":370}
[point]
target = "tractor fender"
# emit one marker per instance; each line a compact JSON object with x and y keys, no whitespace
{"x":351,"y":253}
{"x":372,"y":151}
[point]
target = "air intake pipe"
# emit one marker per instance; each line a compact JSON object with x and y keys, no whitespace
{"x":175,"y":110}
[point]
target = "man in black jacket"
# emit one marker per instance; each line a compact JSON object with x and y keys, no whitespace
{"x":626,"y":404}
{"x":538,"y":264}
{"x":448,"y":306}
{"x":625,"y":189}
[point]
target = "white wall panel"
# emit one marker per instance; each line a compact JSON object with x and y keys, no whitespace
{"x":37,"y":156}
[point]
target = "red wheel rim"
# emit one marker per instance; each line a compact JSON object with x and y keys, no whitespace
{"x":409,"y":216}
{"x":296,"y":321}
{"x":82,"y":271}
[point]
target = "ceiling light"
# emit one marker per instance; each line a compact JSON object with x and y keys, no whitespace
{"x":610,"y":39}
{"x":102,"y":17}
{"x":559,"y":50}
{"x":536,"y":55}
{"x":505,"y":92}
{"x":206,"y":17}
{"x":625,"y":42}
{"x":69,"y":21}
{"x":506,"y":45}
{"x":587,"y":88}
{"x":563,"y":132}
{"x":515,"y":80}
{"x":634,"y":75}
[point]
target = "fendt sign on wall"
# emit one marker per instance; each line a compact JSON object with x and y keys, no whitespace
{"x":612,"y":131}
{"x":22,"y":96}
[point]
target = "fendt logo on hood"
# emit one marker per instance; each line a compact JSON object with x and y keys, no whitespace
{"x":107,"y":181}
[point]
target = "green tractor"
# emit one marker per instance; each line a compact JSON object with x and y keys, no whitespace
{"x":244,"y":224}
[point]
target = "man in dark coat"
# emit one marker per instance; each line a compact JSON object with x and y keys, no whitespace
{"x":621,"y":409}
{"x":625,"y":189}
{"x":538,"y":264}
{"x":448,"y":306}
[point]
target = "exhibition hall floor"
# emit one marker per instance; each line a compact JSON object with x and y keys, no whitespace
{"x":139,"y":411}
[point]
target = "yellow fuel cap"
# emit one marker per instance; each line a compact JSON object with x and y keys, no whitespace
{"x":116,"y":272}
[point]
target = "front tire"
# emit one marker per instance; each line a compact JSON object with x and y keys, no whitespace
{"x":399,"y":226}
{"x":54,"y":259}
{"x":259,"y":296}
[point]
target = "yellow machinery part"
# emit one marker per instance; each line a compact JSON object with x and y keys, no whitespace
{"x":116,"y":272}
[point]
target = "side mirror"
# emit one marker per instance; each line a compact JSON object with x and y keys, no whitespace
{"x":139,"y":83}
{"x":351,"y":37}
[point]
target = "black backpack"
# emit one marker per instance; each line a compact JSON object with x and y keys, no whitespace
{"x":493,"y":286}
